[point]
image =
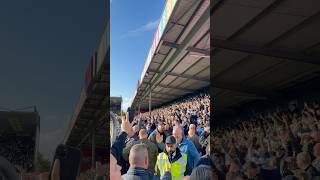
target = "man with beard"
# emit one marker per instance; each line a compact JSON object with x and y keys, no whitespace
{"x":172,"y":157}
{"x":157,"y":136}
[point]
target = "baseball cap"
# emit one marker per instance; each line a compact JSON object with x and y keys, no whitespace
{"x":171,"y":140}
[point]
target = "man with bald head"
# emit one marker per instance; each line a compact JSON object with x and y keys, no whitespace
{"x":152,"y":149}
{"x":304,"y":164}
{"x":139,"y":163}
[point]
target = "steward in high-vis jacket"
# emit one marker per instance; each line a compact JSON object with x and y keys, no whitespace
{"x":174,"y":159}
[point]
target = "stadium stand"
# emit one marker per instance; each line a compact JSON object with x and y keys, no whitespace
{"x":115,"y":110}
{"x":19,"y":137}
{"x":265,"y":82}
{"x":172,"y":93}
{"x":88,"y":124}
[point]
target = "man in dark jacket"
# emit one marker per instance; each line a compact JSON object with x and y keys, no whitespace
{"x":152,"y":149}
{"x":139,"y":162}
{"x":193,"y":137}
{"x":156,"y":134}
{"x":119,"y":144}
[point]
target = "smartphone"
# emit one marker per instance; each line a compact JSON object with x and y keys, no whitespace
{"x":69,"y":161}
{"x":131,"y":114}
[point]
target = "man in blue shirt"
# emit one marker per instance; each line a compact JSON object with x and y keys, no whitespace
{"x":186,"y":146}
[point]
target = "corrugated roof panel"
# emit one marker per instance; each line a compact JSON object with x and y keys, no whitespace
{"x":261,"y":33}
{"x":306,"y":36}
{"x":184,"y":11}
{"x":193,"y":84}
{"x":202,"y":64}
{"x":223,"y":59}
{"x":298,"y":7}
{"x":256,"y":64}
{"x":164,"y":50}
{"x":159,"y":58}
{"x":250,"y":3}
{"x":185,"y":64}
{"x":178,"y":81}
{"x":205,"y":73}
{"x":239,"y":16}
{"x":292,"y":70}
{"x":173,"y":34}
{"x":167,"y":80}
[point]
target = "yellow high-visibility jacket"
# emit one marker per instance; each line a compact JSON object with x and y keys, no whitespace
{"x":178,"y":167}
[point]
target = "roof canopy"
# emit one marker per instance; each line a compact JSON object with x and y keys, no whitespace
{"x":178,"y":62}
{"x":91,"y":110}
{"x":261,"y":48}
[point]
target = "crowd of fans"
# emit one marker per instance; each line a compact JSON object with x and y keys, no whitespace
{"x":283,"y":144}
{"x":19,"y":150}
{"x":169,"y":142}
{"x":192,"y":113}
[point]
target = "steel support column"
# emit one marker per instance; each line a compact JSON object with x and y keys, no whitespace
{"x":150,"y":101}
{"x":93,"y":146}
{"x":139,"y":108}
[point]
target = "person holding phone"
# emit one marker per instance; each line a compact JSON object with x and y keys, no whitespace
{"x":120,"y":142}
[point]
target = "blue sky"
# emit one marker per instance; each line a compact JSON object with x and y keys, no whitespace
{"x":132,"y":27}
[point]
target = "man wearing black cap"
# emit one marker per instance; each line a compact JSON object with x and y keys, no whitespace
{"x":172,"y":157}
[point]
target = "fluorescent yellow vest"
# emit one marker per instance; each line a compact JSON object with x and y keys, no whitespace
{"x":177,"y":168}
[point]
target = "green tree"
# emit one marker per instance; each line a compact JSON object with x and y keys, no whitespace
{"x":42,"y":164}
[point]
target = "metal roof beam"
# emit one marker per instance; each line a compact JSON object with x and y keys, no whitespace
{"x":153,"y":100}
{"x":154,"y":71}
{"x":166,"y":94}
{"x":190,"y":49}
{"x":170,"y":44}
{"x":199,"y":51}
{"x":179,"y":51}
{"x":188,"y":77}
{"x":277,"y":53}
{"x":177,"y":88}
{"x":160,"y":98}
{"x":215,"y":5}
{"x":182,"y":75}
